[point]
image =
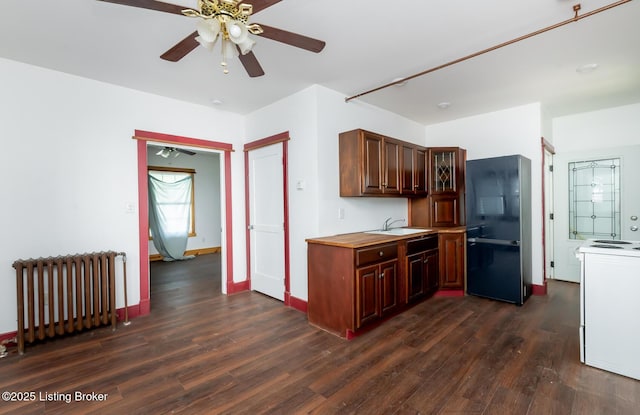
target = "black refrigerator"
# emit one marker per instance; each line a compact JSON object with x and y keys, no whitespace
{"x":498,"y":208}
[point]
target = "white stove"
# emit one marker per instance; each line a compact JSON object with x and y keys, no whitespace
{"x":611,"y":247}
{"x":609,"y":306}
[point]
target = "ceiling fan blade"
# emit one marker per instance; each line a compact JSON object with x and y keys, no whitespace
{"x":293,"y":39}
{"x":251,"y":64}
{"x":181,"y":49}
{"x":261,"y":4}
{"x":150,"y":4}
{"x":182,"y":150}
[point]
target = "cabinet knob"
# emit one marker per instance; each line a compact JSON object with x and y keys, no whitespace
{"x":381,"y":253}
{"x":381,"y":275}
{"x":426,"y":261}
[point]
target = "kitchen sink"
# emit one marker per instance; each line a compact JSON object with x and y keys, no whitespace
{"x":400,"y":231}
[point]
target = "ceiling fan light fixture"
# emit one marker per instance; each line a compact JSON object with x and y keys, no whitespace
{"x":165,"y":152}
{"x":208,"y":29}
{"x":246,"y":46}
{"x":227,"y":19}
{"x":237,"y":32}
{"x":228,"y":50}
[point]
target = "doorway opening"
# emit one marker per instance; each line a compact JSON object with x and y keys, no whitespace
{"x":226,"y":256}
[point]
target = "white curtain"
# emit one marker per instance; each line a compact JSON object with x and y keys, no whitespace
{"x":170,"y":216}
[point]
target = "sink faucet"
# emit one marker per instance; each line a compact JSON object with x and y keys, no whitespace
{"x":387,"y":225}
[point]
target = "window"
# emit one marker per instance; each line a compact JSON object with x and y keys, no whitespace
{"x":594,"y":199}
{"x":172,"y":175}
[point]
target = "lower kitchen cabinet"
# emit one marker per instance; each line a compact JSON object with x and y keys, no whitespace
{"x":422,"y":268}
{"x":355,"y":282}
{"x":350,"y":288}
{"x":452,"y":260}
{"x":376,"y":291}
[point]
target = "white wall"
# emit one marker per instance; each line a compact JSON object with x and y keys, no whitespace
{"x":206,"y":196}
{"x":70,"y":167}
{"x":314,"y":117}
{"x":612,"y":127}
{"x":512,"y":131}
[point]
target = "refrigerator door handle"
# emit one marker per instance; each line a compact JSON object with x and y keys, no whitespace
{"x":493,"y":241}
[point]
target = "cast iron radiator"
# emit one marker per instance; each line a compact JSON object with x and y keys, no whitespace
{"x":65,"y":294}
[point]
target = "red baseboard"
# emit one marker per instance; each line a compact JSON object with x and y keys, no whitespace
{"x":6,"y":336}
{"x":238,"y":287}
{"x":297,"y":303}
{"x":134,"y":311}
{"x":539,"y":289}
{"x":449,"y":293}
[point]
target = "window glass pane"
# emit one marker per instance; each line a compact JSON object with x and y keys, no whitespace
{"x":174,"y":214}
{"x":594,"y":199}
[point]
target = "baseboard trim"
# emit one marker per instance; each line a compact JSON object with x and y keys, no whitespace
{"x":197,"y":251}
{"x":449,"y":293}
{"x":238,"y":287}
{"x":298,"y":304}
{"x":133,"y":312}
{"x":539,"y":289}
{"x":8,"y":336}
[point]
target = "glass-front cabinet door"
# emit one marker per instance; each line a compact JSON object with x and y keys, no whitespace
{"x":443,"y":170}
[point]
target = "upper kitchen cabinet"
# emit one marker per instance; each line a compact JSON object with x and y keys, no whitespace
{"x":369,"y":164}
{"x":444,"y":205}
{"x":414,"y":170}
{"x":447,"y":169}
{"x":374,"y":165}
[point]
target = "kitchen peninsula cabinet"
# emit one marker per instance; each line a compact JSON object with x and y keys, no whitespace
{"x":375,"y":165}
{"x":352,"y":287}
{"x":357,"y":280}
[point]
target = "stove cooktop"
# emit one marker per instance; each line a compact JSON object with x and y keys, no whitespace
{"x":610,"y":247}
{"x":609,"y":241}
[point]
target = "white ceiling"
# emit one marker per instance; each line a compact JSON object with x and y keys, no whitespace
{"x":370,"y":43}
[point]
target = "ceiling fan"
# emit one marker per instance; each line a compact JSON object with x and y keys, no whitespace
{"x":173,"y":151}
{"x":224,"y":10}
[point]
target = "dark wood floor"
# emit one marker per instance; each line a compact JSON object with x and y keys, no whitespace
{"x":201,"y":352}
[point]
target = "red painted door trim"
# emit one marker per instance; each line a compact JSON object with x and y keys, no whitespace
{"x":143,"y":204}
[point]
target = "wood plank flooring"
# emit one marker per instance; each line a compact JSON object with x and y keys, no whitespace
{"x":199,"y":352}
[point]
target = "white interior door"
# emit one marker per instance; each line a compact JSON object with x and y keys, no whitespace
{"x":567,"y":266}
{"x":266,"y":213}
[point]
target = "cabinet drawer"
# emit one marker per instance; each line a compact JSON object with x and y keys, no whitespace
{"x":415,"y":246}
{"x":377,"y":253}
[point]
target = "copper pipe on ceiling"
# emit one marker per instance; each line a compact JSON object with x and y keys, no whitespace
{"x":576,"y":18}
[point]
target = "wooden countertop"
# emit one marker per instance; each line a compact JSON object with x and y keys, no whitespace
{"x":363,"y":239}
